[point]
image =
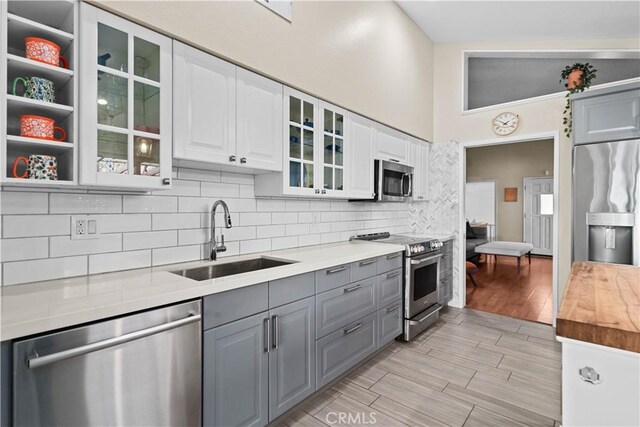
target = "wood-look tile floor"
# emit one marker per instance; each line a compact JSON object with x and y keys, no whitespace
{"x":470,"y":369}
{"x":501,"y":290}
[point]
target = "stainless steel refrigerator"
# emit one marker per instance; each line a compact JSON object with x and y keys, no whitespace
{"x":606,"y":192}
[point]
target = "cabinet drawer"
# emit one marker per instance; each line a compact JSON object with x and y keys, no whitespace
{"x":338,"y":352}
{"x":291,"y":289}
{"x":232,"y":305}
{"x":389,"y":323}
{"x":363,"y":269}
{"x":613,"y":399}
{"x":609,"y":117}
{"x":331,"y":278}
{"x":390,"y":287}
{"x":339,"y":307}
{"x":389,"y":262}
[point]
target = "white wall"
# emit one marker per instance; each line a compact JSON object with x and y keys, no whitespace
{"x":366,"y":56}
{"x":536,"y":117}
{"x":480,"y":201}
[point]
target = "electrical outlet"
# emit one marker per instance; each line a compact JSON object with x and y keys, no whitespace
{"x":84,"y":227}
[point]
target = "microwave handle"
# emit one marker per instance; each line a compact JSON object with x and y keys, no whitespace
{"x":410,"y":191}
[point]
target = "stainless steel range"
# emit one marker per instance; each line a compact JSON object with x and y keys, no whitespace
{"x":421,"y":278}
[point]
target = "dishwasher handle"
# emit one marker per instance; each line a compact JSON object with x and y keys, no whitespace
{"x":38,"y":361}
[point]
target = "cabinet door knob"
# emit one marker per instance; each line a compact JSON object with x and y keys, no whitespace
{"x":166,"y":181}
{"x":243,"y":160}
{"x":589,"y":375}
{"x":232,"y":158}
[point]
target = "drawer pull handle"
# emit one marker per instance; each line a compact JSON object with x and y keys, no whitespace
{"x":392,"y":275}
{"x":393,"y":256}
{"x":353,"y":329}
{"x":394,"y":308}
{"x":336,"y":270}
{"x":369,"y":262}
{"x":351,"y":289}
{"x":589,"y":375}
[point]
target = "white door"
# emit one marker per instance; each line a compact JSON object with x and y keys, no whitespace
{"x":538,"y":214}
{"x":204,"y":106}
{"x":391,"y":145}
{"x":360,"y":158}
{"x":259,"y":122}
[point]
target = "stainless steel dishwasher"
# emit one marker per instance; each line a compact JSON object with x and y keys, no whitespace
{"x":143,"y":369}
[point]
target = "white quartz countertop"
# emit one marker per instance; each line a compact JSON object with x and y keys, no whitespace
{"x":34,"y":308}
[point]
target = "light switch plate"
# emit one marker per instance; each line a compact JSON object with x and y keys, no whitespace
{"x":84,"y":227}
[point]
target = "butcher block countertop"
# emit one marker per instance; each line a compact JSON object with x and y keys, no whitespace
{"x":601,"y":305}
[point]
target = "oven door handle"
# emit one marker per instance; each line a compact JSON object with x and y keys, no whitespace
{"x":420,"y":261}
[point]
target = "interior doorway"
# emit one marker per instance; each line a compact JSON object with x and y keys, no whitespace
{"x":526,"y":213}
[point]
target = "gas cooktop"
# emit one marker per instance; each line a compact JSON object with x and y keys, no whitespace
{"x":414,"y":244}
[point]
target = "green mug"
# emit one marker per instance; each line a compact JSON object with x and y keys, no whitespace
{"x":35,"y":88}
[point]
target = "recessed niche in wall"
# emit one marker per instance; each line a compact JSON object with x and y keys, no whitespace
{"x":499,"y":77}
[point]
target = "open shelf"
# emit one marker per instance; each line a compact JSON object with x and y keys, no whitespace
{"x":52,"y":13}
{"x":22,"y":142}
{"x":18,"y":105}
{"x":24,"y":66}
{"x":37,"y":182}
{"x":20,"y":27}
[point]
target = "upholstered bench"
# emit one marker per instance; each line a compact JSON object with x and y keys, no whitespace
{"x":512,"y":249}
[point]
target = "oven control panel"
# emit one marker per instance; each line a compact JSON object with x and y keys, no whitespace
{"x":425,"y":247}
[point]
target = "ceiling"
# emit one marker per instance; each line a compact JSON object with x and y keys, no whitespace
{"x":452,"y":21}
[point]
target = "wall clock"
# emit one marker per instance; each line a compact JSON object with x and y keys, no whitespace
{"x":505,"y":123}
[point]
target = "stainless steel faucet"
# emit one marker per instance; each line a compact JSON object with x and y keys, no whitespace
{"x":213,"y":243}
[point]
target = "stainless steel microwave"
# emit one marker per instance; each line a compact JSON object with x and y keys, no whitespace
{"x":393,"y":182}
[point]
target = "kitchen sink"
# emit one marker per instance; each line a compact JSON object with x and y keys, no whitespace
{"x":230,"y":268}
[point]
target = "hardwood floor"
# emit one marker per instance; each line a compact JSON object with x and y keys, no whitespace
{"x":470,"y":369}
{"x":501,"y":290}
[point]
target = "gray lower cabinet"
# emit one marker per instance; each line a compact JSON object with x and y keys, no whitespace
{"x":389,"y":323}
{"x":607,"y":115}
{"x":339,"y":307}
{"x":341,"y":350}
{"x":292,"y":357}
{"x":389,"y":287}
{"x":236,"y":373}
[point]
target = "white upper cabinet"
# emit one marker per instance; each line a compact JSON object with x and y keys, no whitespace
{"x":391,"y":145}
{"x":204,"y":111}
{"x":259,"y":121}
{"x":360,"y":158}
{"x":125,"y":103}
{"x":419,"y":159}
{"x":333,"y":147}
{"x":224,"y":115}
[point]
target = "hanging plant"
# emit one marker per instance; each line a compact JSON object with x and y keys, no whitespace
{"x":578,"y":77}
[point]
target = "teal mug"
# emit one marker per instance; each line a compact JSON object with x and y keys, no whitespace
{"x":35,"y":88}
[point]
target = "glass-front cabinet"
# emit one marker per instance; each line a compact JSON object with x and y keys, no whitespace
{"x":315,"y":139}
{"x":125,"y":129}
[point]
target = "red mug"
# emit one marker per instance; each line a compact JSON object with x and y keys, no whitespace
{"x":40,"y":127}
{"x":42,"y":50}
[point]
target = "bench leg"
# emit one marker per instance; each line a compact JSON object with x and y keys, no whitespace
{"x":519,"y":265}
{"x":529,"y":256}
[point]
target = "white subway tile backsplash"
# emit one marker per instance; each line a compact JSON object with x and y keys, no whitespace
{"x":43,"y":269}
{"x":35,"y":225}
{"x":255,"y":218}
{"x":118,"y":261}
{"x":60,"y":203}
{"x":220,"y":189}
{"x":15,"y":202}
{"x":198,"y":175}
{"x":175,"y":221}
{"x":150,"y":204}
{"x":60,"y":246}
{"x":124,"y":223}
{"x":284,"y":242}
{"x":178,"y":254}
{"x":266,"y":231}
{"x":237,"y":178}
{"x":252,"y":246}
{"x":24,"y":249}
{"x":149,"y":239}
{"x":181,"y":188}
{"x":140,"y":230}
